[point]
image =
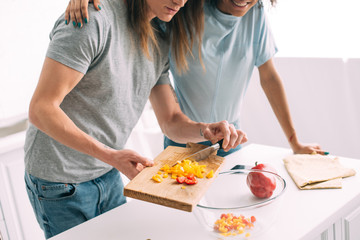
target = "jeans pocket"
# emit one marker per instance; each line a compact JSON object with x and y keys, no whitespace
{"x":53,"y":191}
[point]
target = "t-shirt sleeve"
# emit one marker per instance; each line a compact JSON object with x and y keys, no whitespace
{"x":164,"y":77}
{"x":266,"y":44}
{"x":77,"y":48}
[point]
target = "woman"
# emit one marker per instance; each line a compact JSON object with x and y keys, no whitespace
{"x":236,"y":38}
{"x":91,"y":92}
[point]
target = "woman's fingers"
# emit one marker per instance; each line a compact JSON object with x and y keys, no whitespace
{"x":72,"y":12}
{"x":97,"y":4}
{"x":77,"y":12}
{"x":67,"y":14}
{"x":322,"y":152}
{"x":84,"y":10}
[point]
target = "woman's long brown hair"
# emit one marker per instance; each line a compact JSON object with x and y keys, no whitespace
{"x":185,"y":27}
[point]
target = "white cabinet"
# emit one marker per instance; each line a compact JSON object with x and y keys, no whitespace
{"x":347,"y":228}
{"x":18,"y":221}
{"x":338,"y":230}
{"x":352,"y":225}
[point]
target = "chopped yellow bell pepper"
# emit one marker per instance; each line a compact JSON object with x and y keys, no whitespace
{"x":182,"y":169}
{"x":157,"y":178}
{"x":210,"y":174}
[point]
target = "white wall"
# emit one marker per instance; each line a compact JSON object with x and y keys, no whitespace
{"x":320,"y":28}
{"x":24,"y":37}
{"x":324,"y":100}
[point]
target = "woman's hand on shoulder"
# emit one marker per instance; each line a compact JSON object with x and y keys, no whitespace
{"x":77,"y":11}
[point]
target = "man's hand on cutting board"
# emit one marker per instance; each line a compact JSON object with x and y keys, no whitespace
{"x":129,"y":162}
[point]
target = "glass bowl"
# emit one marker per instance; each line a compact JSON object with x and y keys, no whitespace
{"x":230,"y":210}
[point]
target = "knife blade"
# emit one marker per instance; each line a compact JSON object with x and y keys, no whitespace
{"x":204,"y":153}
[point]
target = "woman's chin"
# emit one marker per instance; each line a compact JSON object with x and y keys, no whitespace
{"x":166,"y":18}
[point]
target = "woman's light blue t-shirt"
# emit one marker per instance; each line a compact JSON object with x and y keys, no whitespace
{"x":231,"y":47}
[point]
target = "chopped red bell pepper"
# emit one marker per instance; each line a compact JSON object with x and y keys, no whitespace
{"x":180,"y":179}
{"x":191,"y":179}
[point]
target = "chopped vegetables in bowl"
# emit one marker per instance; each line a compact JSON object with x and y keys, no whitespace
{"x":229,"y":209}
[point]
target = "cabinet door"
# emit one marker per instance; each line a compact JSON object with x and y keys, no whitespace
{"x":352,"y":225}
{"x":18,"y":214}
{"x":338,"y":230}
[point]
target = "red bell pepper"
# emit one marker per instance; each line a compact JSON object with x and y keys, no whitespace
{"x":180,"y":179}
{"x":262,"y":185}
{"x":190,"y":179}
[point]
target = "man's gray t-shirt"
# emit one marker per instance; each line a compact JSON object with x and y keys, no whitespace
{"x":109,"y":99}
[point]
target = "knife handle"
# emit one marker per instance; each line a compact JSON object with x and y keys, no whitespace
{"x":238,"y":167}
{"x":221,"y":143}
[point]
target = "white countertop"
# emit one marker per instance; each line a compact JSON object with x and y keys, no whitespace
{"x":305,"y":214}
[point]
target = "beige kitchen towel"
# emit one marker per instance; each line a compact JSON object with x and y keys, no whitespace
{"x":316,"y":171}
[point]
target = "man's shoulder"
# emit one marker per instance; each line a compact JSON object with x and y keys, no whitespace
{"x":95,"y":25}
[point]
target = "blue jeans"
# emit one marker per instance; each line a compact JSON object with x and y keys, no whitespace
{"x":60,"y":206}
{"x":221,"y":152}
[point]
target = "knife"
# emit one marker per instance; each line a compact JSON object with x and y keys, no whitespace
{"x":204,"y":153}
{"x":239,"y":166}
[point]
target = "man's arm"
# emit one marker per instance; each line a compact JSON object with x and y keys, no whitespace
{"x":178,"y":127}
{"x":273,"y":87}
{"x":56,"y":81}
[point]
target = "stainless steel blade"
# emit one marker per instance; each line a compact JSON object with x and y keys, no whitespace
{"x":205,"y":153}
{"x":202,"y":154}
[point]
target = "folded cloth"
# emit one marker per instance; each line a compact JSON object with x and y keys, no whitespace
{"x":316,"y":171}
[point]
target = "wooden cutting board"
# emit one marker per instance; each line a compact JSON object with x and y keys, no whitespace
{"x":169,"y":193}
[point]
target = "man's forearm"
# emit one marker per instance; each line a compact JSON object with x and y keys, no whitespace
{"x":182,"y":130}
